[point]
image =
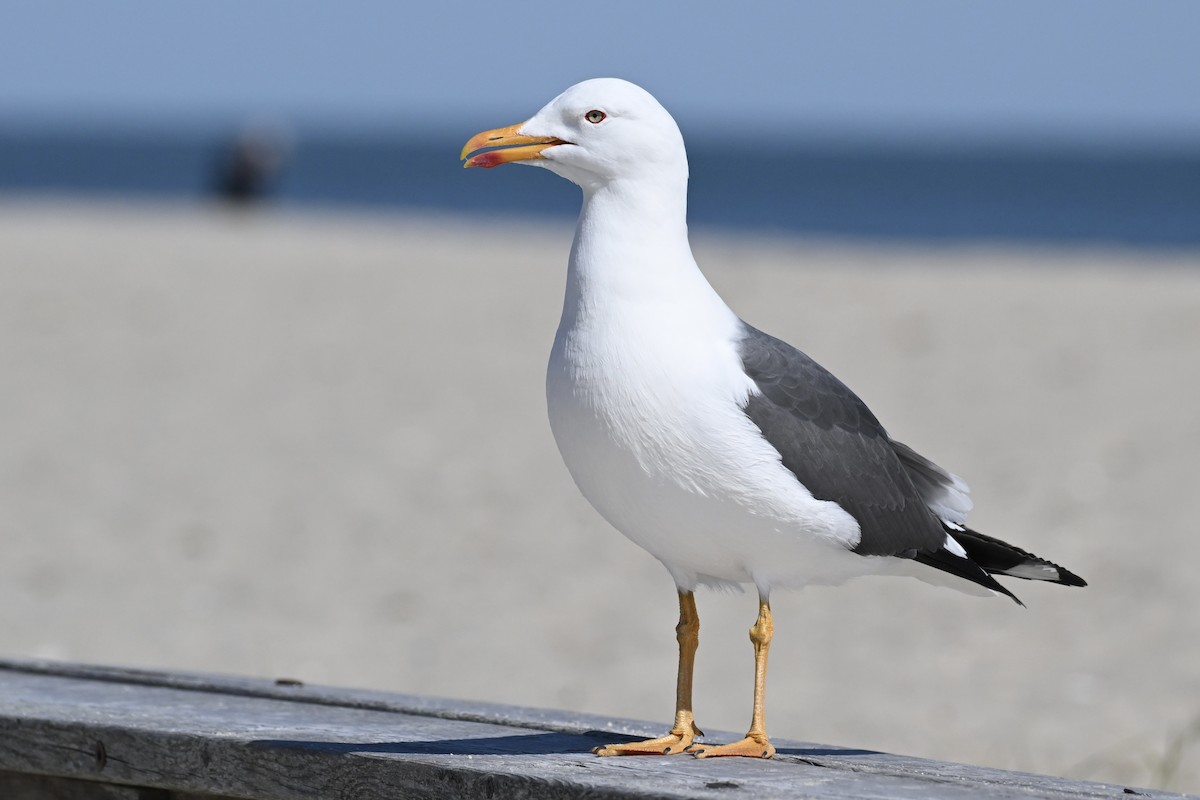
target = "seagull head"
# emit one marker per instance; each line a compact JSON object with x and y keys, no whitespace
{"x":596,"y":132}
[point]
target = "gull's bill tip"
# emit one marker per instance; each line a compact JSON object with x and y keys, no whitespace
{"x":504,"y":145}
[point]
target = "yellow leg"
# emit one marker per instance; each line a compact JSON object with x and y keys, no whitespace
{"x":756,"y":744}
{"x":687,"y":633}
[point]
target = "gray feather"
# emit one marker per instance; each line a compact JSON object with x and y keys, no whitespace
{"x":945,"y":494}
{"x":836,"y":447}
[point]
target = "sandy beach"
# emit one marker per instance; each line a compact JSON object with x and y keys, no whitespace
{"x":315,"y":446}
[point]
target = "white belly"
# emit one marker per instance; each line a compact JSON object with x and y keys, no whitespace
{"x":653,"y":433}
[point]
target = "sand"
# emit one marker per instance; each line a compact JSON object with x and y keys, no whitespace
{"x":315,"y":446}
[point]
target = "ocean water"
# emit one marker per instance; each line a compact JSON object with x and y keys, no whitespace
{"x":1028,"y":194}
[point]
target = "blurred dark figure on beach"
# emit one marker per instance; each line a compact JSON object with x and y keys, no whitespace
{"x":251,"y":164}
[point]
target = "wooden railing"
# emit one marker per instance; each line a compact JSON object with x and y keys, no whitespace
{"x":77,"y":732}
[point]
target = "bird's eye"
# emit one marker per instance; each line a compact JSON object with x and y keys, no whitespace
{"x":595,"y":116}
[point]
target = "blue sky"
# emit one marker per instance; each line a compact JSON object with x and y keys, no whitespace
{"x":1091,"y":69}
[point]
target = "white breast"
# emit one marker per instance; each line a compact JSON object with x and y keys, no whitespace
{"x":644,"y":397}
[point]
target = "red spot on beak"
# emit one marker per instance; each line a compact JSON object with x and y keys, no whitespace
{"x":487,"y":160}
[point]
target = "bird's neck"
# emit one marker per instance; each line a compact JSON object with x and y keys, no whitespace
{"x":654,"y":203}
{"x":631,"y":245}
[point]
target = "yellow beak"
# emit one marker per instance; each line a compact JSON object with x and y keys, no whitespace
{"x":503,"y":145}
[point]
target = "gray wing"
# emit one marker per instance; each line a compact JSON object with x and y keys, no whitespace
{"x":836,"y":447}
{"x":945,"y":494}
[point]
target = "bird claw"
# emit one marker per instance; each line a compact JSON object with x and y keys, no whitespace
{"x":749,"y":747}
{"x":670,"y":745}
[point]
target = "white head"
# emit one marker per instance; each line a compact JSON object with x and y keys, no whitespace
{"x":594,"y":133}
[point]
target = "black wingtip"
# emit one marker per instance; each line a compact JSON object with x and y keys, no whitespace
{"x":1001,"y":558}
{"x":964,"y":568}
{"x":1068,"y":578}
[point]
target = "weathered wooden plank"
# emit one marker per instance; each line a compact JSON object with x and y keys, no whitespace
{"x":15,"y":786}
{"x":245,"y":738}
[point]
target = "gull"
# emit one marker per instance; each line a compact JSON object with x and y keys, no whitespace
{"x":727,"y":454}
